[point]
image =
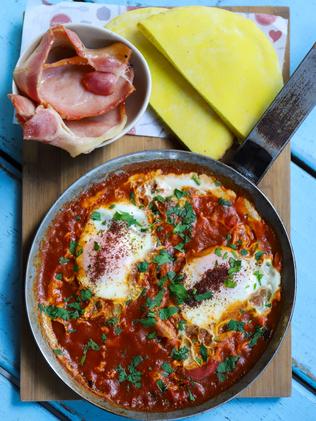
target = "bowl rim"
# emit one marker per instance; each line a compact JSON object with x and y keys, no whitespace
{"x":106,"y":32}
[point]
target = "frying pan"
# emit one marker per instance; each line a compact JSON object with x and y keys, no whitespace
{"x":243,"y":170}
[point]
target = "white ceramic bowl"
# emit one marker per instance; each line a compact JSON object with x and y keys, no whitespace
{"x":94,"y":37}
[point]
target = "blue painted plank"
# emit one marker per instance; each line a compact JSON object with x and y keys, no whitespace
{"x":303,"y":222}
{"x":303,"y":33}
{"x":12,"y":409}
{"x":10,"y":284}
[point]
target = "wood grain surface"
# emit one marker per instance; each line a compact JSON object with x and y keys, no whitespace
{"x":47,"y":172}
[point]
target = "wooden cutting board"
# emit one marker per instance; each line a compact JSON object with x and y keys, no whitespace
{"x":48,"y":171}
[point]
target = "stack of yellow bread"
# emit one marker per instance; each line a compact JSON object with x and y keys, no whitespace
{"x":214,"y":72}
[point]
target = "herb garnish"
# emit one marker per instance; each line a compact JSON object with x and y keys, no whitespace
{"x":96,"y":246}
{"x":259,"y":276}
{"x":89,"y":345}
{"x":96,"y":216}
{"x":57,"y":351}
{"x":161,"y":386}
{"x":179,"y":193}
{"x":163,"y":257}
{"x":167,"y":312}
{"x":142,"y":266}
{"x":125,"y":217}
{"x":133,"y":376}
{"x":85,"y":294}
{"x":178,"y":291}
{"x":63,"y":260}
{"x":224,"y":202}
{"x":196,"y":179}
{"x":218,"y":251}
{"x":180,"y":354}
{"x":132,"y":197}
{"x":225,"y":367}
{"x":151,"y":335}
{"x":203,"y":352}
{"x":236,"y":325}
{"x":72,"y":247}
{"x":259,"y":254}
{"x":167,"y":369}
{"x":243,"y":252}
{"x":59,"y":276}
{"x":205,"y":296}
{"x":156,"y":300}
{"x":259,"y":331}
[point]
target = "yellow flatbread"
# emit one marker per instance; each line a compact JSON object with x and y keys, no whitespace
{"x":224,"y":56}
{"x":178,"y":104}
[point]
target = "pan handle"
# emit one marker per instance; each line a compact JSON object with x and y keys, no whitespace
{"x":279,"y":122}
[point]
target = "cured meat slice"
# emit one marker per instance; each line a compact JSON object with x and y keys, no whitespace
{"x":24,"y":107}
{"x":76,"y":137}
{"x":62,"y":88}
{"x":59,"y":72}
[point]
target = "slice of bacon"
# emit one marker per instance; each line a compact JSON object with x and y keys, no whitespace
{"x":62,"y":88}
{"x":24,"y":107}
{"x":61,"y":57}
{"x":76,"y":137}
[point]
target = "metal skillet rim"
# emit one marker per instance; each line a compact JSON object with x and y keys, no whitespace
{"x":93,"y":176}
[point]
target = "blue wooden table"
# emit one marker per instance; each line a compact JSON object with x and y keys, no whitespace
{"x":303,"y":221}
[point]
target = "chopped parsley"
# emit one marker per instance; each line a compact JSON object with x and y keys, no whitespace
{"x":203,"y":352}
{"x":226,"y":366}
{"x":243,"y":252}
{"x":259,"y":276}
{"x":259,"y":254}
{"x":161,"y":386}
{"x":72,"y":247}
{"x":236,"y":325}
{"x":181,"y":325}
{"x":63,"y":260}
{"x":132,"y":198}
{"x":191,"y":396}
{"x":224,"y":202}
{"x":59,"y":276}
{"x":132,"y":375}
{"x":178,"y":291}
{"x":117,"y":330}
{"x":167,"y":312}
{"x":230,"y":283}
{"x":179,"y":193}
{"x":205,"y":296}
{"x":103,"y":337}
{"x":75,"y":268}
{"x":125,"y":217}
{"x":58,"y":351}
{"x":196,"y":179}
{"x":112,"y":321}
{"x":112,"y":206}
{"x":167,"y":369}
{"x":96,"y":216}
{"x":163,"y":257}
{"x":259,"y":331}
{"x":159,"y":198}
{"x":96,"y":246}
{"x":85,"y":294}
{"x":180,"y":354}
{"x":142,"y":266}
{"x":148,"y":322}
{"x":151,"y":335}
{"x":156,"y":300}
{"x":218,"y":251}
{"x":55,"y":312}
{"x":79,"y":251}
{"x":180,"y":247}
{"x":89,"y":345}
{"x":235,"y":266}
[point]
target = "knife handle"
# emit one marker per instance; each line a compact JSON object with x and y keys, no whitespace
{"x":279,"y":122}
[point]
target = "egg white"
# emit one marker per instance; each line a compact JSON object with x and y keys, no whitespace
{"x":120,"y":248}
{"x":210,"y":311}
{"x":165,"y":184}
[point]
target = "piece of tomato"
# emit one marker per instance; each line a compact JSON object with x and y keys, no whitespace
{"x":200,"y":373}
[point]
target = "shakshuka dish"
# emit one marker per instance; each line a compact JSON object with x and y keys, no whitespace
{"x":158,"y":287}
